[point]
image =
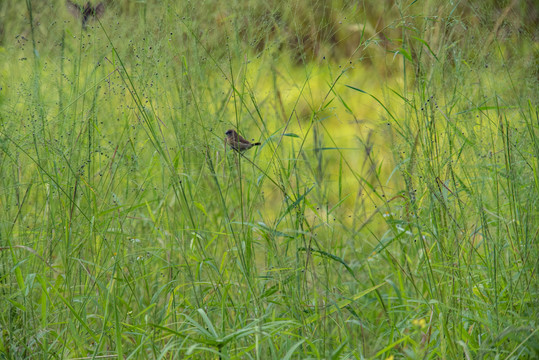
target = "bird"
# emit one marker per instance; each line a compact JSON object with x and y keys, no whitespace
{"x":237,"y":142}
{"x":86,"y":12}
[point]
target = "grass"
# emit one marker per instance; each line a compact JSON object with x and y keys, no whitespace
{"x":390,"y":212}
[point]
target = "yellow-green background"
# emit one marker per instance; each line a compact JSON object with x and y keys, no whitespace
{"x":390,"y":212}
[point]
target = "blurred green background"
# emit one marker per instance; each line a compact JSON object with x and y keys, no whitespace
{"x":391,"y":211}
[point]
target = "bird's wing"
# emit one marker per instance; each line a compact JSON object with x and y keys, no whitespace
{"x":243,"y":141}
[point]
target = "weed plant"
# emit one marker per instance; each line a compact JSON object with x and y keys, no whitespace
{"x":391,"y":212}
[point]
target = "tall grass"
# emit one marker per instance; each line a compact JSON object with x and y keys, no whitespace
{"x":390,"y":212}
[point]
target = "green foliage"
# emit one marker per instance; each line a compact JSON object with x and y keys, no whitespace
{"x":390,"y":212}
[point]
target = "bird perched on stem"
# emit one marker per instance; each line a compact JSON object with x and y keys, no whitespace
{"x":237,"y":142}
{"x":86,"y":12}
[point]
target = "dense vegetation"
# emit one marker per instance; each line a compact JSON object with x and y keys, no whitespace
{"x":391,"y":212}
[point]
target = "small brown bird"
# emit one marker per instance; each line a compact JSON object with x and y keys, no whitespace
{"x":86,"y":12}
{"x":238,"y":143}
